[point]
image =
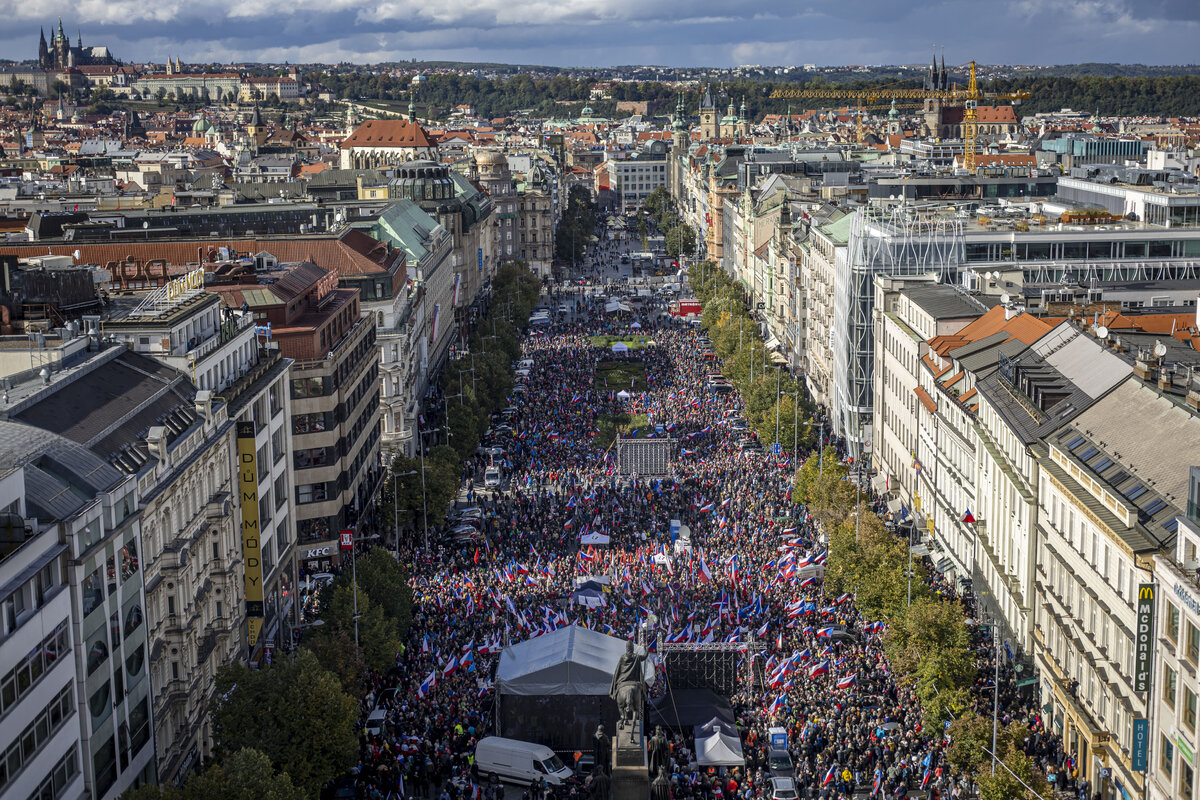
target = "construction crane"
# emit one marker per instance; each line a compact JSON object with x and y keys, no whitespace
{"x":968,"y":98}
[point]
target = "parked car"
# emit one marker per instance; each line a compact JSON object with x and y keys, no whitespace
{"x":783,"y":789}
{"x":779,"y":762}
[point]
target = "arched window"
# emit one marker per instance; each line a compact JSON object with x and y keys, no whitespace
{"x":97,"y":655}
{"x":133,"y":619}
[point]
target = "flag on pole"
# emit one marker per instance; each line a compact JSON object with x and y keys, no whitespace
{"x":969,"y":518}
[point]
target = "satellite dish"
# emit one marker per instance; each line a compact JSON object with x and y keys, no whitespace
{"x":1005,"y":299}
{"x":1160,"y":349}
{"x":1102,"y":332}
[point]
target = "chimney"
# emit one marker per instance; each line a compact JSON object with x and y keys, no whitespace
{"x":1145,"y":368}
{"x":1193,"y":395}
{"x":1165,"y":380}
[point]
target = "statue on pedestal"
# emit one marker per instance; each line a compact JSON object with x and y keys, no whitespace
{"x":660,"y":787}
{"x":602,"y":750}
{"x":656,"y":751}
{"x":629,"y":686}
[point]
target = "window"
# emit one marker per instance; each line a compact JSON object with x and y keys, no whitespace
{"x":1170,"y":685}
{"x":308,"y":423}
{"x":314,"y":457}
{"x":28,"y":745}
{"x":170,"y":605}
{"x":93,"y":591}
{"x":311,"y":493}
{"x":1193,"y":643}
{"x":129,"y":559}
{"x":97,"y":655}
{"x":308,"y":387}
{"x":281,"y":493}
{"x":1173,"y":622}
{"x":1166,"y":755}
{"x":1189,"y":709}
{"x":1187,"y":779}
{"x":98,"y":703}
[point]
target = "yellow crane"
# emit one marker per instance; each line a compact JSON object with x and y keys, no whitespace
{"x":968,"y":98}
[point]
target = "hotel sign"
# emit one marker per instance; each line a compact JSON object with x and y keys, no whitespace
{"x":1143,"y":647}
{"x":251,"y":535}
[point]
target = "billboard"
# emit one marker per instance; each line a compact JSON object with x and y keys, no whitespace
{"x":251,"y":541}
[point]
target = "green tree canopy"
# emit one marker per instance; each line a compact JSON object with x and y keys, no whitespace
{"x":295,"y":712}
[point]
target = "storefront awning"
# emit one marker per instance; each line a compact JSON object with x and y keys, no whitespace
{"x":893,"y":505}
{"x":944,"y":565}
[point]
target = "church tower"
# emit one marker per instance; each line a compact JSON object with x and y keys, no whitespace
{"x":708,"y":116}
{"x":43,"y":49}
{"x":679,"y":132}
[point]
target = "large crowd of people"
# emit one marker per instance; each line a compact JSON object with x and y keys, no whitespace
{"x":752,"y":575}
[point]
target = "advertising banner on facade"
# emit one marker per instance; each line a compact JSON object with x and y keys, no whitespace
{"x":251,"y":541}
{"x":1143,"y":646}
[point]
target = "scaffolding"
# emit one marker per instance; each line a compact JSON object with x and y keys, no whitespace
{"x":903,"y":240}
{"x":723,"y":667}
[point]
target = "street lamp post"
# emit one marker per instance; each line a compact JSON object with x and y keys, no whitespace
{"x":778,"y":374}
{"x":396,"y":504}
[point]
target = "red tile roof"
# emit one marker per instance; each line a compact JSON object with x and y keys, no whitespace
{"x":388,"y":133}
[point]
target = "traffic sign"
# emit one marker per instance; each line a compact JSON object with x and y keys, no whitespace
{"x":776,"y":448}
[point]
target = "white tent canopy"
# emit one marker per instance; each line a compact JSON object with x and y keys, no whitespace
{"x":620,"y":347}
{"x":718,"y":749}
{"x":571,"y":660}
{"x":623,"y":395}
{"x":594,"y":538}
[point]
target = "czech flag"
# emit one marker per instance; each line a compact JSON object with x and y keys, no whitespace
{"x":451,"y":666}
{"x":707,"y":508}
{"x":847,"y":682}
{"x":830,"y":776}
{"x":825,"y":633}
{"x":820,"y":668}
{"x":925,"y":778}
{"x":427,"y":685}
{"x":704,"y":575}
{"x":969,"y":518}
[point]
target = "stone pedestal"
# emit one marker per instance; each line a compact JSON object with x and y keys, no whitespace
{"x":630,"y":781}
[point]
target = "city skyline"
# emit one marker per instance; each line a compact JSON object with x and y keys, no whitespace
{"x":594,"y":34}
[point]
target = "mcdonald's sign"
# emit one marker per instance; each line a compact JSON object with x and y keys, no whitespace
{"x":1143,"y":646}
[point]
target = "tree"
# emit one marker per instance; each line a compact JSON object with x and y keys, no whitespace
{"x":378,"y":634}
{"x":822,"y":487}
{"x":680,"y":240}
{"x":385,"y":582}
{"x":295,"y":712}
{"x":244,"y":775}
{"x":930,"y":646}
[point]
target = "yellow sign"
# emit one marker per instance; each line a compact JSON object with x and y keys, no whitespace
{"x":251,"y":543}
{"x":185,"y":283}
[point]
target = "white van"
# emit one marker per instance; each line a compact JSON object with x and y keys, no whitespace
{"x":374,"y":724}
{"x":518,"y":762}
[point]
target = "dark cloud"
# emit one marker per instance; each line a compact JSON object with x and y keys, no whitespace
{"x":604,"y":32}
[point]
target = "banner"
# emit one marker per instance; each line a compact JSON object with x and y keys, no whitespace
{"x":457,"y":283}
{"x":433,"y":329}
{"x":1143,"y":647}
{"x":251,"y":543}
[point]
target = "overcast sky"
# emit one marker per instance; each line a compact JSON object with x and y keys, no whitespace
{"x":611,"y":32}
